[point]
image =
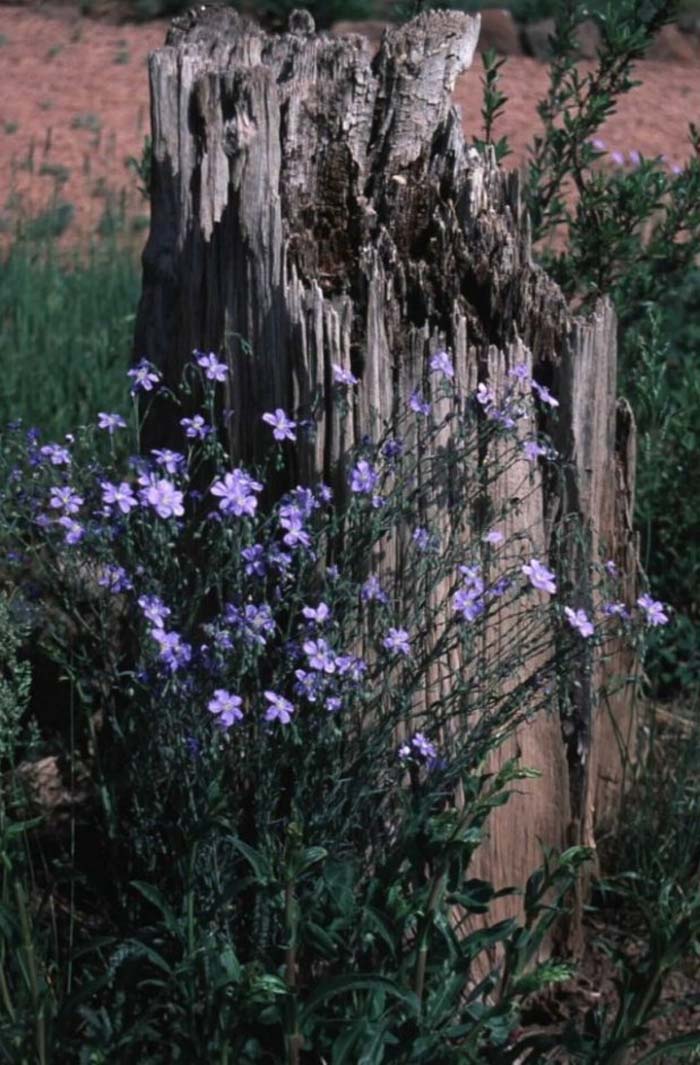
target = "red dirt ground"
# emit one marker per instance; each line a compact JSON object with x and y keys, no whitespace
{"x":74,"y":107}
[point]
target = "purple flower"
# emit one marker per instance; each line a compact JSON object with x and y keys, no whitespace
{"x":165,"y":499}
{"x":544,"y":394}
{"x":422,"y":539}
{"x":305,"y":500}
{"x":540,"y":577}
{"x":65,"y":499}
{"x":171,"y":461}
{"x":110,"y":422}
{"x":213,"y":369}
{"x":320,"y":656}
{"x":418,"y":747}
{"x":56,"y":454}
{"x":343,"y":377}
{"x":226,"y":707}
{"x":611,"y":610}
{"x":352,"y":667}
{"x":318,"y":614}
{"x":533,"y":450}
{"x":282,"y":426}
{"x":499,"y":588}
{"x":292,"y":521}
{"x":393,"y":449}
{"x":611,"y":568}
{"x":308,"y":685}
{"x":579,"y":620}
{"x":618,"y":158}
{"x":236,"y":493}
{"x":473,"y":581}
{"x":333,"y":704}
{"x":397,"y":642}
{"x":598,"y":144}
{"x":74,"y":531}
{"x":280,"y":709}
{"x":419,"y":405}
{"x":635,"y":157}
{"x":254,"y":558}
{"x":468,"y":603}
{"x":372,"y":590}
{"x":494,"y":537}
{"x":258,"y":623}
{"x":442,"y":363}
{"x":653,"y":610}
{"x":364,"y":477}
{"x":196,"y":428}
{"x":143,"y":377}
{"x":115,"y":579}
{"x":174,"y":652}
{"x":154,"y":610}
{"x":120,"y":495}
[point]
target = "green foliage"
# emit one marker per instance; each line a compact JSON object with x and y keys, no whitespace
{"x":15,"y":682}
{"x":67,"y":321}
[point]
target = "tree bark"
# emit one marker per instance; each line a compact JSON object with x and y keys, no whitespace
{"x":311,"y":206}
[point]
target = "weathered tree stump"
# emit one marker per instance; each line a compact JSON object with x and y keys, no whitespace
{"x":313,"y":205}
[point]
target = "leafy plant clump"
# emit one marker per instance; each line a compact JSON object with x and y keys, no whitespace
{"x":286,"y":729}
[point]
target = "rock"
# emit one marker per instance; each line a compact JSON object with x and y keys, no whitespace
{"x":535,"y":38}
{"x":372,"y":29}
{"x":48,"y":790}
{"x":536,"y":35}
{"x":689,"y":23}
{"x":670,"y":45}
{"x":499,"y":31}
{"x":588,"y":37}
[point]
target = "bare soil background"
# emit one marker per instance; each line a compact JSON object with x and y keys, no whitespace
{"x":74,"y":107}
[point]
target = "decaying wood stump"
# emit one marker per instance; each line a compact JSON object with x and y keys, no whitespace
{"x":322,"y":206}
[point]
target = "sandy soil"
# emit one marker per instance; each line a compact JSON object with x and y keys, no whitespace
{"x":74,"y":107}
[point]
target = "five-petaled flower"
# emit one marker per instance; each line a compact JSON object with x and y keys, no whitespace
{"x":154,"y":610}
{"x":213,"y":369}
{"x":171,"y":461}
{"x":363,"y":478}
{"x":280,"y":709}
{"x":579,"y":620}
{"x":442,"y":363}
{"x":418,"y":404}
{"x":533,"y":450}
{"x":119,"y":495}
{"x":57,"y":454}
{"x":110,"y":422}
{"x":282,"y":426}
{"x":196,"y":428}
{"x":397,"y":641}
{"x":226,"y":707}
{"x":165,"y":499}
{"x":236,"y":492}
{"x":74,"y":531}
{"x":64,"y":498}
{"x":540,"y":577}
{"x":143,"y":377}
{"x":653,"y":610}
